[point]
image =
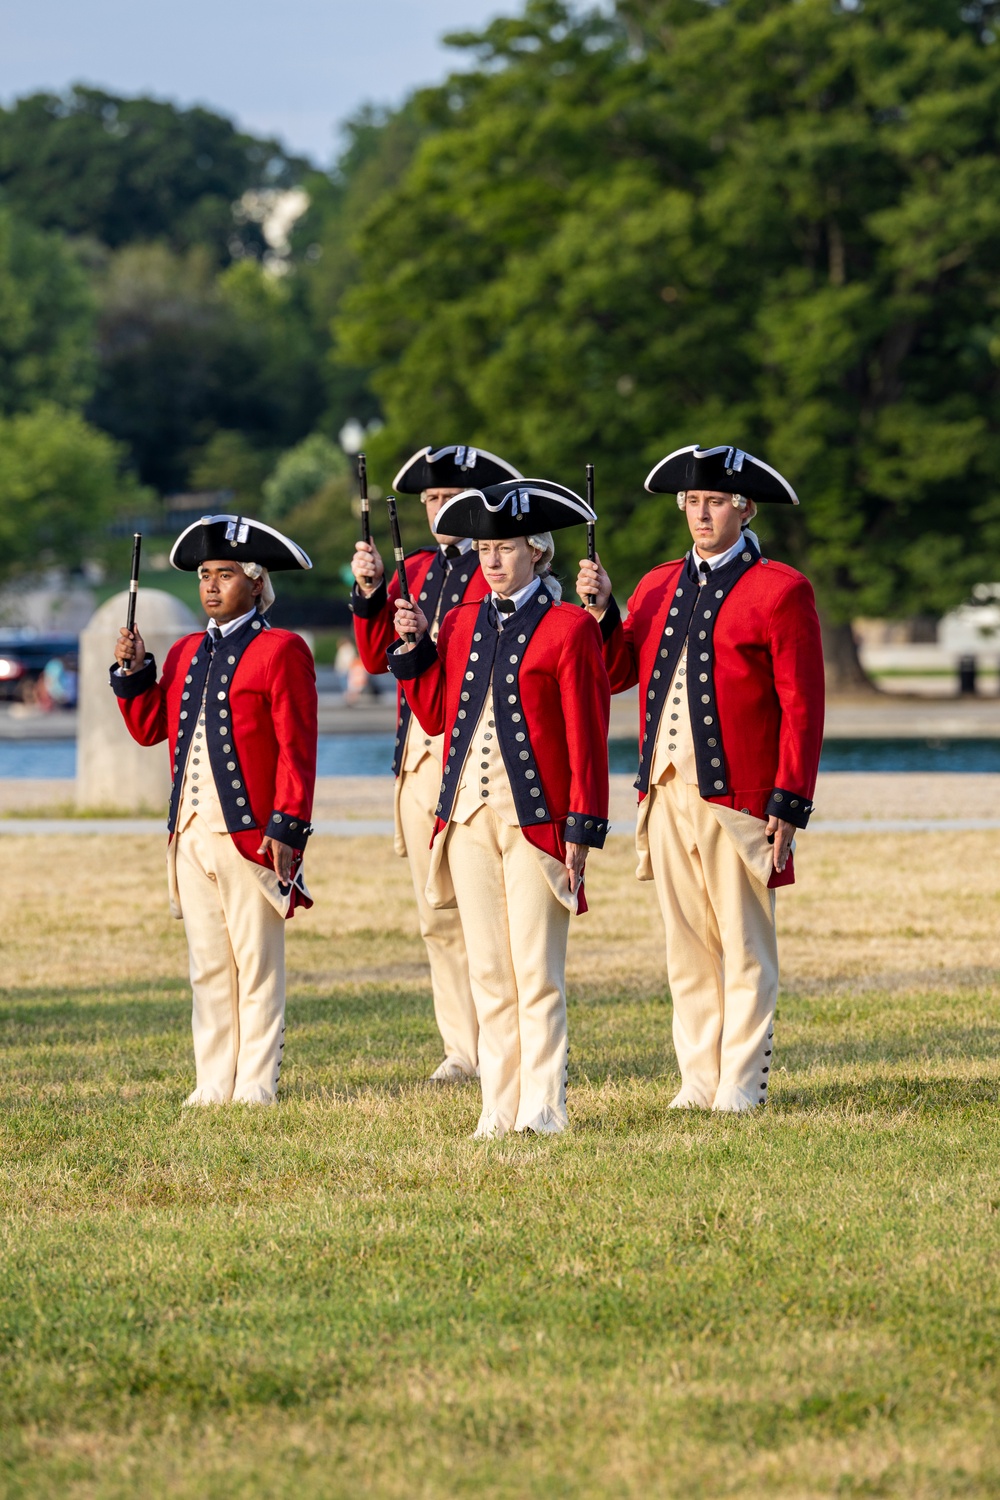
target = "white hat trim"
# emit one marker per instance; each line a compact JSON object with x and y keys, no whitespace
{"x":519,"y":502}
{"x":432,"y":458}
{"x":303,"y":558}
{"x":738,"y":453}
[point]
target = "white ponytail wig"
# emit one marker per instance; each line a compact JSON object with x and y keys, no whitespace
{"x":266,"y":597}
{"x":543,"y":541}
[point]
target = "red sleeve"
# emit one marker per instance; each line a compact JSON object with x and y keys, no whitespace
{"x":374,"y":627}
{"x":796,"y":647}
{"x":375,"y":618}
{"x":586,"y":699}
{"x":619,"y":646}
{"x":143,"y":700}
{"x":292,"y":692}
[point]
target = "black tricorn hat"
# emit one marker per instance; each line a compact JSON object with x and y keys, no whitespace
{"x":451,"y":468}
{"x":731,"y":471}
{"x":213,"y":538}
{"x":518,"y":507}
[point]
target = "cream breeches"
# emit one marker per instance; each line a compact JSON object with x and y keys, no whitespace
{"x":515,"y":932}
{"x":722,"y":951}
{"x":236,"y":947}
{"x":441,"y":930}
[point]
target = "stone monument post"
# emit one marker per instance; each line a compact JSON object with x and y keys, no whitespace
{"x":112,"y":771}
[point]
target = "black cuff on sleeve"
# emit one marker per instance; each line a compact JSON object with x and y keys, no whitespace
{"x":583,"y":829}
{"x":288,"y":829}
{"x":374,"y":604}
{"x":791,"y":806}
{"x":406,"y":665}
{"x":136,"y":683}
{"x":610,"y":620}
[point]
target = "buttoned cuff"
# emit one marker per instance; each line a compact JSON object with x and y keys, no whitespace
{"x":288,"y":828}
{"x":791,"y":806}
{"x":584,"y":828}
{"x":366,"y":608}
{"x":405,"y":665}
{"x":610,"y":620}
{"x":136,"y":683}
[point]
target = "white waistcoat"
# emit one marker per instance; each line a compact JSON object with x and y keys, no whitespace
{"x":484,"y":775}
{"x":199,"y":795}
{"x":674,"y":745}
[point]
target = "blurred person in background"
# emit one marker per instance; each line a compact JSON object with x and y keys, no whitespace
{"x":57,"y":685}
{"x":349,"y":666}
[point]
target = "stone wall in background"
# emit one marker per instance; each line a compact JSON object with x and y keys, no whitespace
{"x":112,"y":771}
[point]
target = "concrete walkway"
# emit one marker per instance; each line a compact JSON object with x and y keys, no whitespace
{"x":855,"y":796}
{"x":353,"y":806}
{"x":866,"y":716}
{"x":362,"y":827}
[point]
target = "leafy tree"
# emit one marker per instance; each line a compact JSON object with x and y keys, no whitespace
{"x":229,"y":461}
{"x":159,"y":341}
{"x":770,"y":222}
{"x":271,"y":374}
{"x":300,"y":473}
{"x":46,"y":320}
{"x":326,"y":525}
{"x":122,"y":170}
{"x":379,"y":146}
{"x":60,"y":483}
{"x":184,"y":352}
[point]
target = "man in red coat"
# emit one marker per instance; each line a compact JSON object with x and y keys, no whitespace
{"x":516,"y":684}
{"x":238,"y":706}
{"x":725,"y":646}
{"x":439,"y":577}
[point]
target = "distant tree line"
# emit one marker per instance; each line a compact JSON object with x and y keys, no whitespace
{"x":768,"y":222}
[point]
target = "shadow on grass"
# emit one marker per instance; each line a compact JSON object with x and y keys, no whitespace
{"x":362,"y":1041}
{"x":946,"y":1095}
{"x":937,"y":1043}
{"x":127,"y":988}
{"x":646,"y":1113}
{"x":893,"y":982}
{"x":131,"y":1007}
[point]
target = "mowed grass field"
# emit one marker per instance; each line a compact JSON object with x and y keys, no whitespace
{"x":346,"y":1296}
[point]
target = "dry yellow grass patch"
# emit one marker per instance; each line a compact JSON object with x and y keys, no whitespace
{"x":896,"y":910}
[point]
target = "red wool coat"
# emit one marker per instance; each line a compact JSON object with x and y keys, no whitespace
{"x":755,"y":679}
{"x":375,"y":617}
{"x":261,"y":729}
{"x":552,"y":702}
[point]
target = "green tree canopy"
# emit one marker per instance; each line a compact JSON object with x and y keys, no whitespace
{"x":229,"y":461}
{"x":768,"y":222}
{"x":379,"y":147}
{"x":300,"y":473}
{"x":46,"y":320}
{"x":61,"y":482}
{"x":184,"y":352}
{"x":122,"y":170}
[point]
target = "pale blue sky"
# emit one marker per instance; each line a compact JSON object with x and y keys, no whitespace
{"x":291,"y":68}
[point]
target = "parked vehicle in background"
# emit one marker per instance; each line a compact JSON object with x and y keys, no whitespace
{"x":39,"y":669}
